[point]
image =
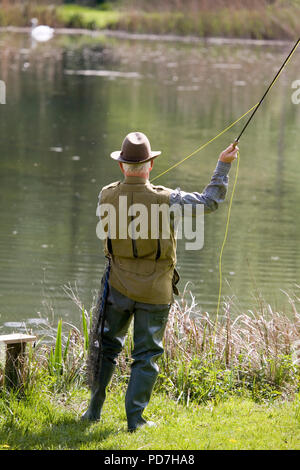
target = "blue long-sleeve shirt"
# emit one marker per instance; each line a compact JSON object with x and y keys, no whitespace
{"x":213,"y":194}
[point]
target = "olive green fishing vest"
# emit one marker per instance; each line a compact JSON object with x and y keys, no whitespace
{"x":143,"y":269}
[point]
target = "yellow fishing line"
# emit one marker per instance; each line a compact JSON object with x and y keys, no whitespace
{"x":204,"y":145}
{"x":235,"y":180}
{"x":231,"y":200}
{"x":226,"y":232}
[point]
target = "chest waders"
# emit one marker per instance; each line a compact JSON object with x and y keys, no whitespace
{"x":149,"y":326}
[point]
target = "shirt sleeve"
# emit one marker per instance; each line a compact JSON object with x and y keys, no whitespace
{"x":213,"y":194}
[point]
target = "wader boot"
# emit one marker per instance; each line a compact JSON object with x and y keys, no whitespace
{"x":116,"y":322}
{"x":149,"y":326}
{"x":98,"y":392}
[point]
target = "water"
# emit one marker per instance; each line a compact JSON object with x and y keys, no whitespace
{"x":70,"y":102}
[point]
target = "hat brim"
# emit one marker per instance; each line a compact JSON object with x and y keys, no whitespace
{"x":118,"y":157}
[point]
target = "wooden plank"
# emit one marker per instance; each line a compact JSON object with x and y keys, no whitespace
{"x":17,"y":338}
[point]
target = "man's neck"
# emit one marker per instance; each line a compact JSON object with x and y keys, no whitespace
{"x":137,"y":178}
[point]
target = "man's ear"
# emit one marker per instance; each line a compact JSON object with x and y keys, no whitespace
{"x":121,"y":167}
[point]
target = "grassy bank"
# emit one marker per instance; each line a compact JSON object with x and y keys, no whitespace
{"x":46,"y":421}
{"x":231,"y":382}
{"x":239,"y":19}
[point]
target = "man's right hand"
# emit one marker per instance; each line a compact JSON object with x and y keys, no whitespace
{"x":229,"y":154}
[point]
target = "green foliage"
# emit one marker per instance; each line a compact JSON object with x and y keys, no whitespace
{"x":58,"y":363}
{"x":66,"y":360}
{"x":67,"y":347}
{"x":55,"y":361}
{"x":75,"y":16}
{"x":85,"y":330}
{"x":202,"y":381}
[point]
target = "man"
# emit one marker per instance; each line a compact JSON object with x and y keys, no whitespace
{"x":142,"y":275}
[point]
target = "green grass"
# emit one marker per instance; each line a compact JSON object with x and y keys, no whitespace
{"x":84,"y":17}
{"x":52,"y":422}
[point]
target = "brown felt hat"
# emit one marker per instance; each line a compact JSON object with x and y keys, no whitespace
{"x":135,"y":149}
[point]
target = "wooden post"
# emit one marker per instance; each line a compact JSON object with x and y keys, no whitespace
{"x":15,"y":355}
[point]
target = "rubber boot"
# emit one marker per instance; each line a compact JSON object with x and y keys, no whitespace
{"x":117,"y":320}
{"x":148,"y":334}
{"x":99,"y":392}
{"x":141,"y":383}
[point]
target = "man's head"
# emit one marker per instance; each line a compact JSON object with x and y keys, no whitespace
{"x":136,"y":157}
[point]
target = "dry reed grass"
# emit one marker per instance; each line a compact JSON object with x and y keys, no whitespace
{"x":255,"y":19}
{"x":256,"y":352}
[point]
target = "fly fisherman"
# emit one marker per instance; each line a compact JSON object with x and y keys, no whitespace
{"x":141,"y":278}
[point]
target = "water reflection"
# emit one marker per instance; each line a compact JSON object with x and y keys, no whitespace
{"x":71,"y":102}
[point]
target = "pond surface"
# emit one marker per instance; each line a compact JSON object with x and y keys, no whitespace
{"x":71,"y":101}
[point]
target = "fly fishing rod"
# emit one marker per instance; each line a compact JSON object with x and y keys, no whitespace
{"x":267,"y":91}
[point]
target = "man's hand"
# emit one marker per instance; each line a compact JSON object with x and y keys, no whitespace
{"x":229,"y":154}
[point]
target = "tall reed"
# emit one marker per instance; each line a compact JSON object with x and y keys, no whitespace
{"x":254,"y":353}
{"x":19,"y":13}
{"x":256,"y":19}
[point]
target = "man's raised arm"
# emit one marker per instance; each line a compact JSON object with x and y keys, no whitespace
{"x":215,"y":192}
